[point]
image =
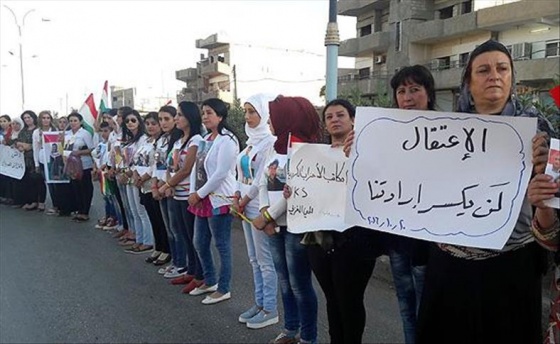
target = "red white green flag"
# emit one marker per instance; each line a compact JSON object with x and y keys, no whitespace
{"x":104,"y":104}
{"x":89,"y":113}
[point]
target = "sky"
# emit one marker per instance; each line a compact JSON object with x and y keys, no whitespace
{"x":71,"y":47}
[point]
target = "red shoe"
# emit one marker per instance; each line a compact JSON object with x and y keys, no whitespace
{"x":193,"y":284}
{"x":185,"y":279}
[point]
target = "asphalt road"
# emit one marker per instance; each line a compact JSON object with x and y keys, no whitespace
{"x":67,"y":282}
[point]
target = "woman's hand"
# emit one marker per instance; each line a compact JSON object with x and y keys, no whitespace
{"x":287,"y":192}
{"x":348,"y":142}
{"x":541,"y":188}
{"x":259,"y":223}
{"x":540,"y":153}
{"x":169,"y":193}
{"x":194,"y":199}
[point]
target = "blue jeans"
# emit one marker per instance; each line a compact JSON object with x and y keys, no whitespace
{"x":182,"y":226}
{"x":409,"y":281}
{"x":219,"y":227}
{"x":126,"y":206}
{"x":294,"y":274}
{"x":264,"y":274}
{"x":164,"y":205}
{"x":143,"y":227}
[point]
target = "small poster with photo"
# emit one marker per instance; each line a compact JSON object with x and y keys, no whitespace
{"x":53,"y":144}
{"x":553,"y":169}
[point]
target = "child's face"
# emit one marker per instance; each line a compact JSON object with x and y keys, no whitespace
{"x":105,"y":133}
{"x":556,"y":162}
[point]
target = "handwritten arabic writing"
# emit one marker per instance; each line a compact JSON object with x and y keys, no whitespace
{"x":317,"y":176}
{"x":452,"y":178}
{"x":12,"y":162}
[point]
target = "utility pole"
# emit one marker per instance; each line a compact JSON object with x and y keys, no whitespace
{"x":234,"y":72}
{"x":332,"y":41}
{"x":20,"y":51}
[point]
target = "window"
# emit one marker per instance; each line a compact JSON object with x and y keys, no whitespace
{"x":365,"y":30}
{"x":466,"y":7}
{"x":463,"y":58}
{"x":398,"y":36}
{"x":552,"y":49}
{"x":445,"y":13}
{"x":363,"y":73}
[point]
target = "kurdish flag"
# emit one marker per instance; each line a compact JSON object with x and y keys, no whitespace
{"x":89,"y":113}
{"x":104,"y":104}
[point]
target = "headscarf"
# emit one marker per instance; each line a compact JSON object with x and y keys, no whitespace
{"x":14,"y":132}
{"x":513,"y":106}
{"x":295,"y":116}
{"x":260,"y":102}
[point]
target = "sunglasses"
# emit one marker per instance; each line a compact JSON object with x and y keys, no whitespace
{"x":133,"y":120}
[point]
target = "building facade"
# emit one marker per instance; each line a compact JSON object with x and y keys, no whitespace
{"x":440,"y":34}
{"x":122,"y":96}
{"x":229,"y":69}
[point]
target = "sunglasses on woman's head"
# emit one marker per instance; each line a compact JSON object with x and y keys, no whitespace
{"x":133,"y":120}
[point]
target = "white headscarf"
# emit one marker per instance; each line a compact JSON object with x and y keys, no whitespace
{"x":262,"y":131}
{"x":15,"y":133}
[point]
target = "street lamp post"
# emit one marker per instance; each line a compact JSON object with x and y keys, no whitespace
{"x":332,"y":41}
{"x":20,"y":51}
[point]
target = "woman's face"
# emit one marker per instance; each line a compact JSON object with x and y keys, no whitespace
{"x":75,"y":123}
{"x":62,"y":123}
{"x":28,"y":120}
{"x":45,"y":120}
{"x":412,"y":96}
{"x":4,"y":123}
{"x":181,"y":121}
{"x":490,"y":79}
{"x":210,"y":119}
{"x":131,"y":123}
{"x":338,"y":121}
{"x":251,"y":116}
{"x":166,"y":121}
{"x":16,"y":126}
{"x":152,"y":127}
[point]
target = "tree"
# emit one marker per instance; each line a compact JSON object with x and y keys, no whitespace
{"x":236,"y":120}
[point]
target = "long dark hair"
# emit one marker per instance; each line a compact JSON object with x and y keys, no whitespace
{"x":127,"y":136}
{"x":78,"y":116}
{"x":419,"y":75}
{"x":221,"y":111}
{"x":191,"y":112}
{"x":174,"y":134}
{"x":30,"y":113}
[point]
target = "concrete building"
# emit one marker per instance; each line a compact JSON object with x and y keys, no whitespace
{"x":440,"y":34}
{"x":122,"y":96}
{"x":228,"y":69}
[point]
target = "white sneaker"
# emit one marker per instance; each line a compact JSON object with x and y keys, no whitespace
{"x":176,"y":272}
{"x":208,"y":300}
{"x":165,"y":269}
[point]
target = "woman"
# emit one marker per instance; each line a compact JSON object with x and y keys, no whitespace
{"x":79,"y":143}
{"x":181,"y":159}
{"x":133,"y":138}
{"x":293,"y":117}
{"x":29,"y":186}
{"x":214,"y":184}
{"x":477,"y":295}
{"x":250,"y":169}
{"x":164,"y":145}
{"x":343,"y":261}
{"x":5,"y":192}
{"x":546,"y":227}
{"x":46,"y":125}
{"x":10,"y":139}
{"x":142,"y":178}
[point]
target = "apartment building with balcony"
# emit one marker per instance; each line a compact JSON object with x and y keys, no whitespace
{"x":253,"y":68}
{"x":440,"y":34}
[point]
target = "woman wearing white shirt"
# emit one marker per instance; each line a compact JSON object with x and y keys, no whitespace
{"x":214,"y":185}
{"x":45,"y":124}
{"x":133,"y":139}
{"x":250,"y":170}
{"x":80,"y":143}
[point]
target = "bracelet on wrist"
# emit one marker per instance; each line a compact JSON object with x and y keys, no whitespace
{"x":548,"y":234}
{"x":267,"y":216}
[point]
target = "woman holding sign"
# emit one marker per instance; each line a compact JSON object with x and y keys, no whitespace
{"x":46,"y":124}
{"x":474,"y":295}
{"x":250,"y":169}
{"x":343,"y":261}
{"x":292,"y":119}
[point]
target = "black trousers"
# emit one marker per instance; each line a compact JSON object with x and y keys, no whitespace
{"x":42,"y":186}
{"x":343,"y":271}
{"x":156,"y":219}
{"x":83,"y":191}
{"x":31,"y":188}
{"x":65,"y":198}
